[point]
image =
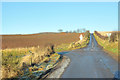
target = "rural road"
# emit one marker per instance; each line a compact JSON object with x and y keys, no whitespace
{"x":90,"y":62}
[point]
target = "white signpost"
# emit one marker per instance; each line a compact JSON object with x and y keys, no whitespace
{"x":81,"y":37}
{"x":108,"y":34}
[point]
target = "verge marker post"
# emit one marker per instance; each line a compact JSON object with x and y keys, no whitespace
{"x":109,"y":34}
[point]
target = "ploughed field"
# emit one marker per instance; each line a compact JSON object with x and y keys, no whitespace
{"x":33,"y":40}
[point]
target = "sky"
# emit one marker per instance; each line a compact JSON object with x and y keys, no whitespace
{"x":35,"y":17}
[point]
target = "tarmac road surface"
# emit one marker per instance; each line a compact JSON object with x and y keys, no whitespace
{"x":90,"y":62}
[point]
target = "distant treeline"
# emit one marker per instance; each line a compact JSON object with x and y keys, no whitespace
{"x":82,"y":30}
{"x":101,"y":36}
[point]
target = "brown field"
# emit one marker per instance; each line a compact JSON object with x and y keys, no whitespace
{"x":33,"y":40}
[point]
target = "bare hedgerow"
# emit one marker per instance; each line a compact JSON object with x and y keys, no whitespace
{"x":113,"y":37}
{"x":87,"y":34}
{"x":101,"y":36}
{"x":50,"y":49}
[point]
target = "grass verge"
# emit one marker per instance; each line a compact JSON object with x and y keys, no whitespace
{"x":71,"y":46}
{"x":110,"y":47}
{"x":13,"y":59}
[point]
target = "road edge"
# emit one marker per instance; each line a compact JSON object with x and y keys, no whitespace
{"x":109,"y":53}
{"x":60,"y":68}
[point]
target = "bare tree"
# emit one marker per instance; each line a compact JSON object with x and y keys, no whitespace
{"x":74,"y":31}
{"x":78,"y":30}
{"x":84,"y":30}
{"x":60,"y":30}
{"x":70,"y":31}
{"x":67,"y":32}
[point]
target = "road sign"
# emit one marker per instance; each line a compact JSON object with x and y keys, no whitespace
{"x":81,"y":37}
{"x":109,"y":34}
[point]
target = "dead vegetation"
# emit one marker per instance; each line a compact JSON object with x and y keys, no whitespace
{"x":21,"y":51}
{"x":81,"y":43}
{"x":13,"y":66}
{"x":113,"y":38}
{"x":111,"y":45}
{"x":101,"y":36}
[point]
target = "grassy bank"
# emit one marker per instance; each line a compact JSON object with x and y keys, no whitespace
{"x":110,"y":47}
{"x":14,"y":60}
{"x":72,"y":46}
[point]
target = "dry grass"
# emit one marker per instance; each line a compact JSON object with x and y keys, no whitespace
{"x":16,"y":49}
{"x":111,"y":47}
{"x":104,"y":33}
{"x":13,"y":59}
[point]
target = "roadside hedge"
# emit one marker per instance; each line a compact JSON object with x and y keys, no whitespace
{"x":101,"y":36}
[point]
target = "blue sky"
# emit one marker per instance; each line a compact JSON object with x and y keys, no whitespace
{"x":35,"y":17}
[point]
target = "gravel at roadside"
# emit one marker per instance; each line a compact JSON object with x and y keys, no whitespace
{"x":60,"y":68}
